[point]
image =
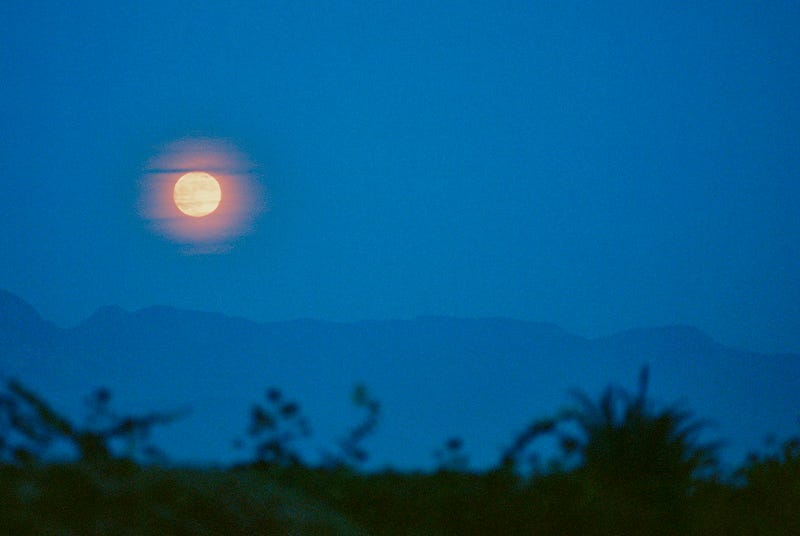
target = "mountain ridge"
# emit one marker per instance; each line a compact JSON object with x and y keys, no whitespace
{"x":12,"y":304}
{"x":481,"y":379}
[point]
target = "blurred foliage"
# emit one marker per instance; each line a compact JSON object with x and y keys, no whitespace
{"x":121,"y":498}
{"x":275,"y":428}
{"x":29,"y":427}
{"x":451,"y":457}
{"x":351,"y":452}
{"x":624,"y":466}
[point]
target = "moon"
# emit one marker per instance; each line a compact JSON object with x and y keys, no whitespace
{"x":201,"y":193}
{"x":197,"y":194}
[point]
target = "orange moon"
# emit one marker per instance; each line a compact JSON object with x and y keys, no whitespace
{"x":197,"y":194}
{"x":202,"y":193}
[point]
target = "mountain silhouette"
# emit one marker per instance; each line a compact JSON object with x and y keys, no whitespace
{"x":480,"y":379}
{"x":20,"y":323}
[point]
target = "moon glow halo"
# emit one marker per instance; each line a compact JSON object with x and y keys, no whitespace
{"x":201,"y":193}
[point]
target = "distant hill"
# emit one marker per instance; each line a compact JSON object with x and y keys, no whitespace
{"x":482,"y":380}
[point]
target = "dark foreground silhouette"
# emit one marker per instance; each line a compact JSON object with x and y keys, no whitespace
{"x":622,"y":466}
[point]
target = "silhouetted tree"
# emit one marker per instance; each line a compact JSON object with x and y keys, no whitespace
{"x":30,"y":426}
{"x":275,"y":428}
{"x":636,"y":464}
{"x":512,"y":456}
{"x":625,"y":466}
{"x":624,"y":435}
{"x":770,"y":496}
{"x":350,"y":446}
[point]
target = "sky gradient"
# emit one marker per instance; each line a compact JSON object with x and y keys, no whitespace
{"x":599,"y":167}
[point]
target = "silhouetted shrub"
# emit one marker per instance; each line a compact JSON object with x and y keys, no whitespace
{"x":275,"y":428}
{"x":770,"y":496}
{"x":30,"y":426}
{"x":633,"y":467}
{"x":624,"y":466}
{"x":351,"y":452}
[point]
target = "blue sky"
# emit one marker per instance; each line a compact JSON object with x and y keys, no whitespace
{"x":600,"y":167}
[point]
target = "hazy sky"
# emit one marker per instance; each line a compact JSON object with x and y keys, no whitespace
{"x":600,"y":167}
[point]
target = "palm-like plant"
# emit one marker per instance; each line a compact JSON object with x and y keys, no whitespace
{"x":627,"y":444}
{"x":637,"y":462}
